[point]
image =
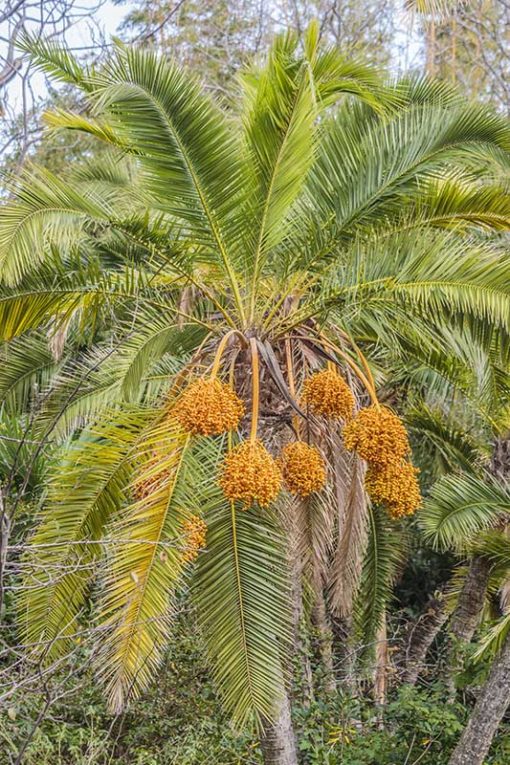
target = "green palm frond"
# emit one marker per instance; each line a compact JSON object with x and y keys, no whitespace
{"x":495,"y":546}
{"x":492,"y":642}
{"x":242,"y":592}
{"x":384,"y":556}
{"x":27,"y":368}
{"x":456,"y":448}
{"x":190,"y":156}
{"x":23,"y":464}
{"x":143,"y":567}
{"x":121,"y":371}
{"x":47,"y":212}
{"x":365,"y":171}
{"x":85,"y":491}
{"x":456,"y":198}
{"x":55,"y":60}
{"x":460,"y":507}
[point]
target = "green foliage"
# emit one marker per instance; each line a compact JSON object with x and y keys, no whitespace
{"x":178,"y":721}
{"x":244,"y":567}
{"x":459,"y":507}
{"x":414,"y":724}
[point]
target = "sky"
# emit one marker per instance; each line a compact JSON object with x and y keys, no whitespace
{"x":108,"y":18}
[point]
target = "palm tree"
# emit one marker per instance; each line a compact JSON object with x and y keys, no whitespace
{"x":213,"y":263}
{"x":468,"y":513}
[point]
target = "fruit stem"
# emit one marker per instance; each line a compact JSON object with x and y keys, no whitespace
{"x":255,"y":389}
{"x":221,"y":349}
{"x":292,"y":384}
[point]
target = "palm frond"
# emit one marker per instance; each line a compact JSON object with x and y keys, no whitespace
{"x":456,"y":448}
{"x":143,"y":568}
{"x":55,"y":60}
{"x":46,"y":212}
{"x":459,"y":508}
{"x":384,"y":555}
{"x":242,"y":594}
{"x":85,"y":491}
{"x":353,"y":526}
{"x":493,"y":641}
{"x":27,"y":367}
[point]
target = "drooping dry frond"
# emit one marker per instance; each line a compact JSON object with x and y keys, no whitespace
{"x":209,"y":407}
{"x":251,"y":475}
{"x":347,"y":563}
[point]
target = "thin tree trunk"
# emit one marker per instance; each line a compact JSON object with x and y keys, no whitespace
{"x":487,"y":714}
{"x":278,"y":741}
{"x":422,"y":636}
{"x":381,"y":665}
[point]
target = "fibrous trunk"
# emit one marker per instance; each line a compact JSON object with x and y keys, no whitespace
{"x":277,"y":740}
{"x":422,"y":636}
{"x":487,"y":714}
{"x":467,"y":615}
{"x":469,"y":608}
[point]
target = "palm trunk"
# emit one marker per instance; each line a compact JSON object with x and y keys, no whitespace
{"x":277,"y":740}
{"x":487,"y":714}
{"x":421,"y":638}
{"x":469,"y":608}
{"x":467,"y":614}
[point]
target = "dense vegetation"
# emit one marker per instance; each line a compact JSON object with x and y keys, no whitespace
{"x":254,"y":432}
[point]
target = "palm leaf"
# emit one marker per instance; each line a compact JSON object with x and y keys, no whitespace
{"x":383,"y":558}
{"x":353,"y":525}
{"x":85,"y":491}
{"x":143,"y":567}
{"x":28,"y":366}
{"x":460,"y":507}
{"x":242,"y":595}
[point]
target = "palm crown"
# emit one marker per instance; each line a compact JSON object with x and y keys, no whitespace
{"x":331,"y":219}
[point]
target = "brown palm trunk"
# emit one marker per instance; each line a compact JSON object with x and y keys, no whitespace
{"x":467,"y":614}
{"x":422,"y":636}
{"x":487,"y":714}
{"x":278,"y":741}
